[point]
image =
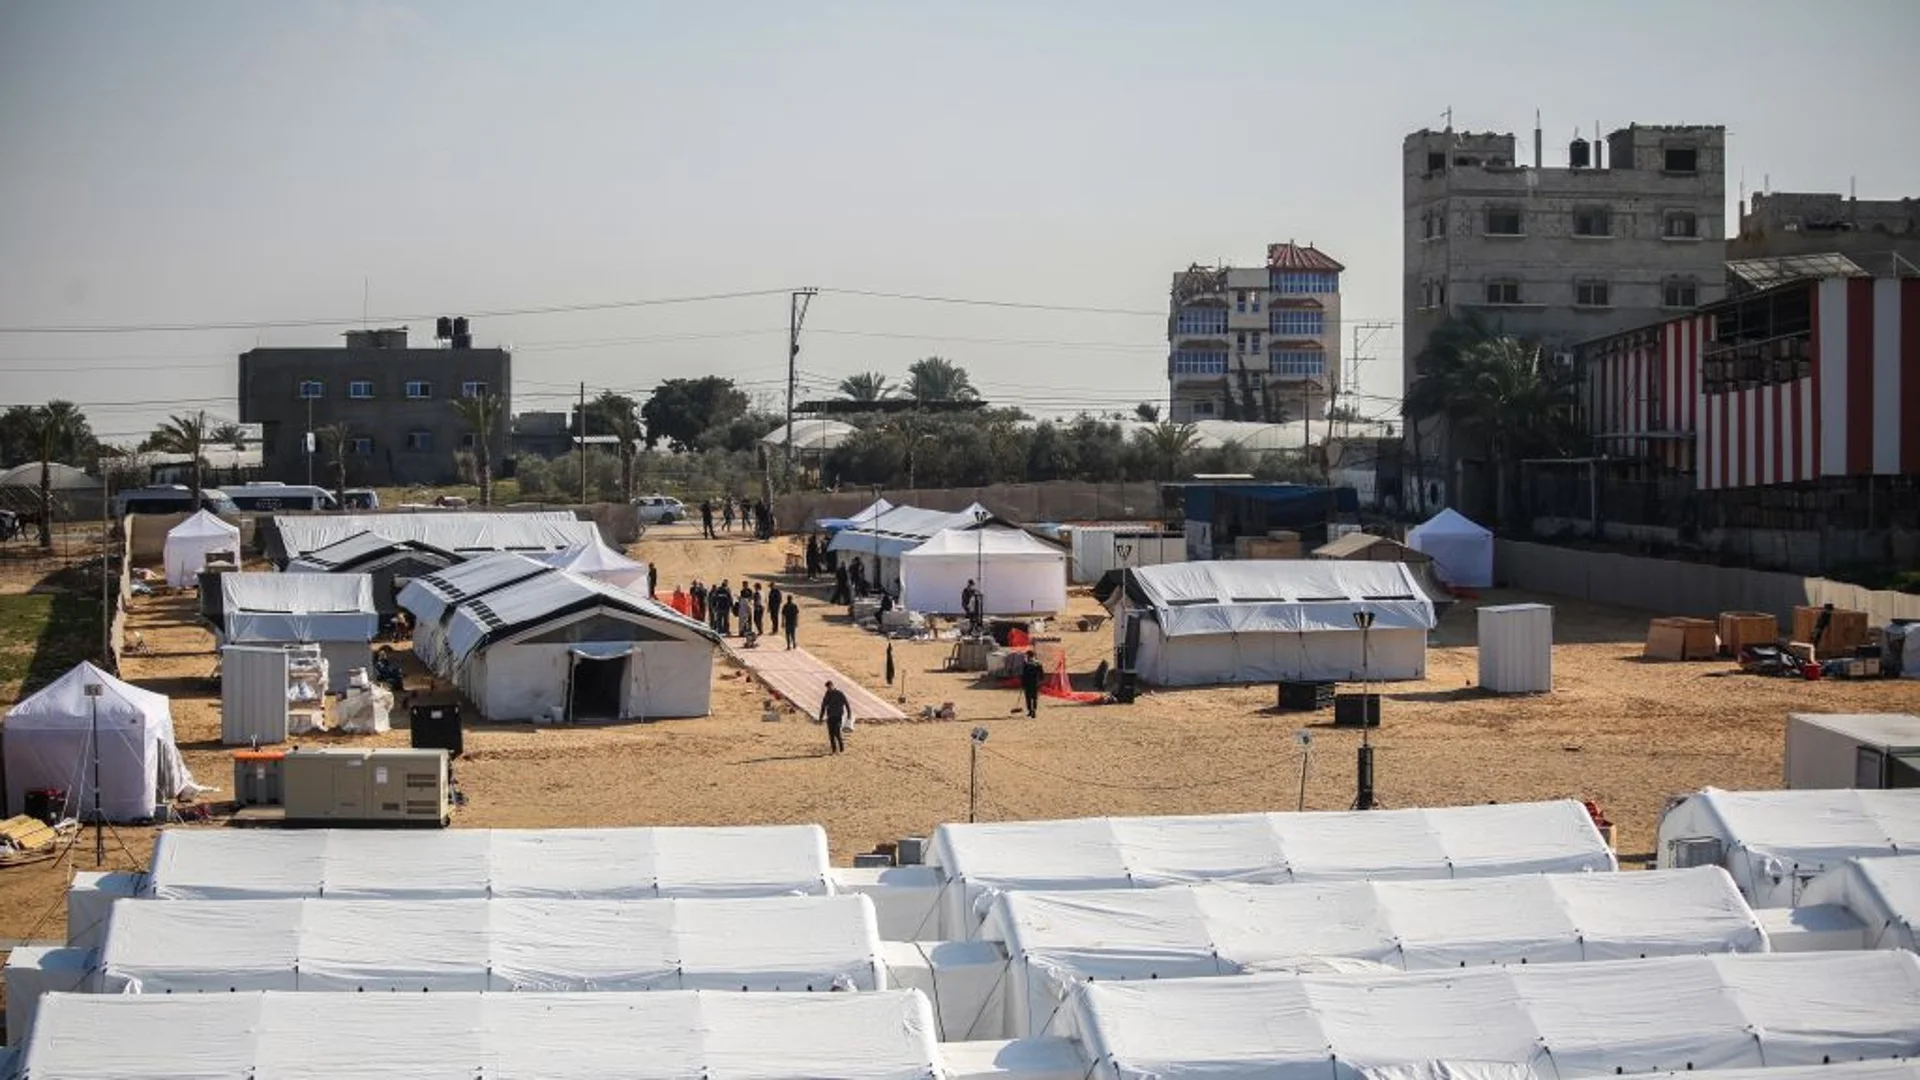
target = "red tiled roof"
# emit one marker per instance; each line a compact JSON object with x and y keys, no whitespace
{"x":1291,"y":256}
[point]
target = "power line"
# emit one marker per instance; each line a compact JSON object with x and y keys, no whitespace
{"x":1013,"y":304}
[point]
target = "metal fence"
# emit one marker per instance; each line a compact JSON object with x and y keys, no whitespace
{"x":1672,"y":587}
{"x":1056,"y":500}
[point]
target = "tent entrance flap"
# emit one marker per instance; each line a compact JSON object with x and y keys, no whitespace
{"x":596,"y":685}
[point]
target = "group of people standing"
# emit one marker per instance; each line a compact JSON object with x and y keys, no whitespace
{"x":753,"y":514}
{"x":752,"y":610}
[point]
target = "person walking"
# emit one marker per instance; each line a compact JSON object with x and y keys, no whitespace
{"x":743,"y":610}
{"x":840,"y":585}
{"x":789,"y":618}
{"x":1030,"y":675}
{"x":968,"y":597}
{"x":706,"y":518}
{"x":759,"y":611}
{"x":813,"y":557}
{"x":773,"y":607}
{"x":721,"y":602}
{"x":653,"y":581}
{"x":833,"y":712}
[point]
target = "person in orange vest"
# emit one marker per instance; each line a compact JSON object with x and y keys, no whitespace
{"x":680,"y":602}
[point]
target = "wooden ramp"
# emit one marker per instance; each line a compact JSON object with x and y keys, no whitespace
{"x":795,"y":675}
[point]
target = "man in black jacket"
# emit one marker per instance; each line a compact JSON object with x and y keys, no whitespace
{"x":833,"y":712}
{"x":1030,"y":675}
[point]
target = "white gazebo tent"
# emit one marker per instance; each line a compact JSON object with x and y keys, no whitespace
{"x":601,"y":563}
{"x":1262,"y":620}
{"x":1883,"y":893}
{"x":1462,"y":551}
{"x":50,"y":744}
{"x":190,"y":542}
{"x":1018,"y":574}
{"x":335,"y":611}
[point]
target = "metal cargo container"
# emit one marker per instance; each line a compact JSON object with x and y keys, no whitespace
{"x":1880,"y":750}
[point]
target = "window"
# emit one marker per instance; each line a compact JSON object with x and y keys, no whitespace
{"x":469,"y":441}
{"x":1240,"y":341}
{"x":419,"y":439}
{"x":1504,"y":221}
{"x":473,"y":389}
{"x":1681,"y":225}
{"x":1591,"y":294}
{"x":1503,"y":291}
{"x":419,"y":388}
{"x":1680,"y":293}
{"x":1434,"y":224}
{"x":360,"y":446}
{"x":1201,"y":320}
{"x":1681,"y":159}
{"x":1199,"y":362}
{"x":1595,"y":221}
{"x":1253,"y":302}
{"x":1297,"y":362}
{"x":360,"y":389}
{"x":1297,"y":322}
{"x":1436,"y":161}
{"x":1203,"y":408}
{"x":312,"y":388}
{"x":1256,"y":341}
{"x":1240,"y":301}
{"x":1305,"y":282}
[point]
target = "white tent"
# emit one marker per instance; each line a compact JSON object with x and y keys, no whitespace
{"x":602,"y":563}
{"x":432,"y":599}
{"x":777,"y":943}
{"x":335,"y":611}
{"x":981,"y":860}
{"x":1884,"y":894}
{"x":458,"y":532}
{"x":567,"y":646}
{"x":670,"y":1035}
{"x":883,"y":532}
{"x":1060,"y":940}
{"x":1774,"y":842}
{"x":812,"y":436}
{"x":1018,"y":574}
{"x":606,"y":864}
{"x":1510,"y":1023}
{"x":1269,"y":619}
{"x":50,"y":744}
{"x":1462,"y":551}
{"x":190,"y":542}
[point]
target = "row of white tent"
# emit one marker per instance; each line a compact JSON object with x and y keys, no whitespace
{"x":927,"y":557}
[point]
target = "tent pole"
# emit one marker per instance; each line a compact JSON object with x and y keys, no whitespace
{"x":99,"y":838}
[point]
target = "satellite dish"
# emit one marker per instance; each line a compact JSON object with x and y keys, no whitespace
{"x":979,"y":734}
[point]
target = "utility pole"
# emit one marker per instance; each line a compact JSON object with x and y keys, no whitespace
{"x":308,"y":442}
{"x":797,"y":303}
{"x":583,"y":444}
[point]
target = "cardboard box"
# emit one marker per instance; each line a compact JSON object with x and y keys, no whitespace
{"x":1680,"y":639}
{"x":1872,"y":668}
{"x":1846,"y":630}
{"x":1738,"y":629}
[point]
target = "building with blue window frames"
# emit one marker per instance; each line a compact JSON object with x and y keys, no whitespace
{"x":1279,"y":324}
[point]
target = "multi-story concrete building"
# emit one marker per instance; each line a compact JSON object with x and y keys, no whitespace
{"x":1631,"y":229}
{"x":1256,"y":343}
{"x":395,"y":402}
{"x":1874,"y":233}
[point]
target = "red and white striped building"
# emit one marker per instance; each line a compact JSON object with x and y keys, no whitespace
{"x":1811,"y":380}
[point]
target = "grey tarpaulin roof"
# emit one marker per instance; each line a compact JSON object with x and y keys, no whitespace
{"x":1279,"y":596}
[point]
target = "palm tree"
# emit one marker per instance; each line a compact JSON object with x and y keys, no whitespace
{"x":939,"y":379}
{"x":1430,"y":394}
{"x":480,"y":413}
{"x":1505,"y":393}
{"x":189,"y":434}
{"x":334,"y":439}
{"x":620,"y":418}
{"x":50,"y":427}
{"x":1147,"y":411}
{"x":227,"y":433}
{"x":866,"y":386}
{"x":1170,"y":444}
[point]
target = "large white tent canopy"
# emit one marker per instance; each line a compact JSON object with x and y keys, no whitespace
{"x":890,"y":531}
{"x":612,"y":864}
{"x":810,"y":435}
{"x":1510,"y":1023}
{"x":432,"y":599}
{"x":189,"y":543}
{"x":1774,"y":842}
{"x":1060,"y":939}
{"x":1462,"y":551}
{"x":671,"y":1035}
{"x":1267,"y":619}
{"x":1884,"y":894}
{"x":1017,"y":573}
{"x":790,"y":943}
{"x":601,"y":563}
{"x":981,"y":860}
{"x":297,"y":607}
{"x":50,"y":744}
{"x":534,"y":530}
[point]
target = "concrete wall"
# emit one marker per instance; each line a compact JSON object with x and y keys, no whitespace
{"x":1787,"y":550}
{"x":1670,"y":587}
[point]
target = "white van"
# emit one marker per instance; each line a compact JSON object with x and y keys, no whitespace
{"x":266,"y":497}
{"x":170,"y":499}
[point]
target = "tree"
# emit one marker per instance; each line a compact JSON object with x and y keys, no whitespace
{"x":20,"y":436}
{"x":1435,"y":366}
{"x":1147,"y":411}
{"x":865,"y":386}
{"x":1170,"y":444}
{"x":189,"y":434}
{"x":50,"y":428}
{"x":939,"y":379}
{"x":619,"y":416}
{"x":334,"y":440}
{"x":227,"y":433}
{"x":481,"y":414}
{"x":681,"y":409}
{"x":1503,"y":391}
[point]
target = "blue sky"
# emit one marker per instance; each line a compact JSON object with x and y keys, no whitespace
{"x":237,"y":161}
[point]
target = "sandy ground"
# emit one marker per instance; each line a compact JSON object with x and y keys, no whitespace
{"x":1621,"y":731}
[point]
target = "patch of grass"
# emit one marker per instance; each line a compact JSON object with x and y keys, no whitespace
{"x":44,"y":634}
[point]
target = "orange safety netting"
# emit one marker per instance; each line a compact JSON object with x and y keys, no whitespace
{"x":1057,"y":685}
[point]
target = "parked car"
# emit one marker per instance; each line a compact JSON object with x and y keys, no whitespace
{"x":266,"y":497}
{"x":659,"y":509}
{"x":360,"y":499}
{"x":171,"y":499}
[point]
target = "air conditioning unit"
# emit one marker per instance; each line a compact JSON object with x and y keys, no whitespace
{"x":389,"y":786}
{"x":1563,"y":359}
